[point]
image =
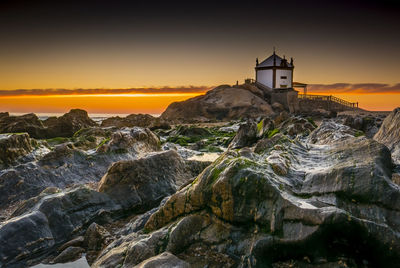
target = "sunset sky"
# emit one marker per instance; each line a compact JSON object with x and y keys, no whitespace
{"x":346,"y":48}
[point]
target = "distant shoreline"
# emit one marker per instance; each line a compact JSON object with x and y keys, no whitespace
{"x":91,"y":115}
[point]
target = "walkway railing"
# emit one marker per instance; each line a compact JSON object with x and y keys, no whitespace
{"x":329,"y":98}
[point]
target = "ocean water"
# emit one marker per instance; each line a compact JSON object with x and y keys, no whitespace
{"x":95,"y":117}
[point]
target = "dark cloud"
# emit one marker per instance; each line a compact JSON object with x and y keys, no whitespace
{"x":362,"y":88}
{"x":51,"y":91}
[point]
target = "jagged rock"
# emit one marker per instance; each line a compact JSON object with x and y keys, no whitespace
{"x":96,"y":238}
{"x":68,"y":124}
{"x":138,"y":222}
{"x":23,"y":237}
{"x":264,"y":126}
{"x":29,"y":123}
{"x":69,"y":254}
{"x":389,"y":134}
{"x":136,"y":120}
{"x":220,"y":103}
{"x":63,"y":126}
{"x":146,"y":181}
{"x":246,"y":135}
{"x":53,"y":220}
{"x":330,"y":132}
{"x":282,"y":117}
{"x":64,"y":165}
{"x":369,"y":125}
{"x":133,"y":249}
{"x":135,"y":139}
{"x":13,"y":146}
{"x":267,"y":143}
{"x":165,"y":260}
{"x":334,"y":201}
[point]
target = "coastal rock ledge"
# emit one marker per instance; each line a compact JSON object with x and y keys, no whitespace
{"x":334,"y":206}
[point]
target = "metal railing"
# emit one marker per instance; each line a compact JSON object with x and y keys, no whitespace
{"x":329,"y":98}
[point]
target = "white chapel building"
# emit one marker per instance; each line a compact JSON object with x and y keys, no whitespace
{"x":275,"y":72}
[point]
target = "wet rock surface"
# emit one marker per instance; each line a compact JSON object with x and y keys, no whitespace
{"x":64,"y":165}
{"x":332,"y":202}
{"x":14,"y":146}
{"x":279,"y":191}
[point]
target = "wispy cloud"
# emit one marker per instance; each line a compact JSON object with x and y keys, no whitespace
{"x":360,"y":88}
{"x":150,"y":90}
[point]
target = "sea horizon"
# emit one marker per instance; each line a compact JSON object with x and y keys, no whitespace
{"x":44,"y":116}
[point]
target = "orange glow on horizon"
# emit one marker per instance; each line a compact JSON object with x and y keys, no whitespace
{"x":153,"y":103}
{"x":93,"y":104}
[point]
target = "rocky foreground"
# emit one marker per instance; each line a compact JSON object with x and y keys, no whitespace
{"x":277,"y":190}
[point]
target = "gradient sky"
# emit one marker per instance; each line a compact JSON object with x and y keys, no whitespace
{"x":124,"y":44}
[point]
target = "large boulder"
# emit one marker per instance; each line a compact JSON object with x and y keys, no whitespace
{"x":23,"y":236}
{"x":13,"y":146}
{"x":246,"y":135}
{"x":221,"y":103}
{"x":389,"y":134}
{"x":144,"y":182}
{"x":333,"y":203}
{"x":68,"y":124}
{"x":131,"y":139}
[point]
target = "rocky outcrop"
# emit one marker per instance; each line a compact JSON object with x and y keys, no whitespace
{"x":59,"y":218}
{"x":28,"y":123}
{"x":144,"y":182}
{"x":65,"y":165}
{"x":367,"y":125}
{"x":39,"y":225}
{"x":246,"y":135}
{"x":389,"y":134}
{"x":96,"y":238}
{"x":13,"y":146}
{"x":68,"y":124}
{"x":63,"y":126}
{"x":136,"y":120}
{"x":221,"y":103}
{"x":333,"y":203}
{"x":127,"y":140}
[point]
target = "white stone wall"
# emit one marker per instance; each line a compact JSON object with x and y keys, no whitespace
{"x":279,"y":81}
{"x":265,"y":77}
